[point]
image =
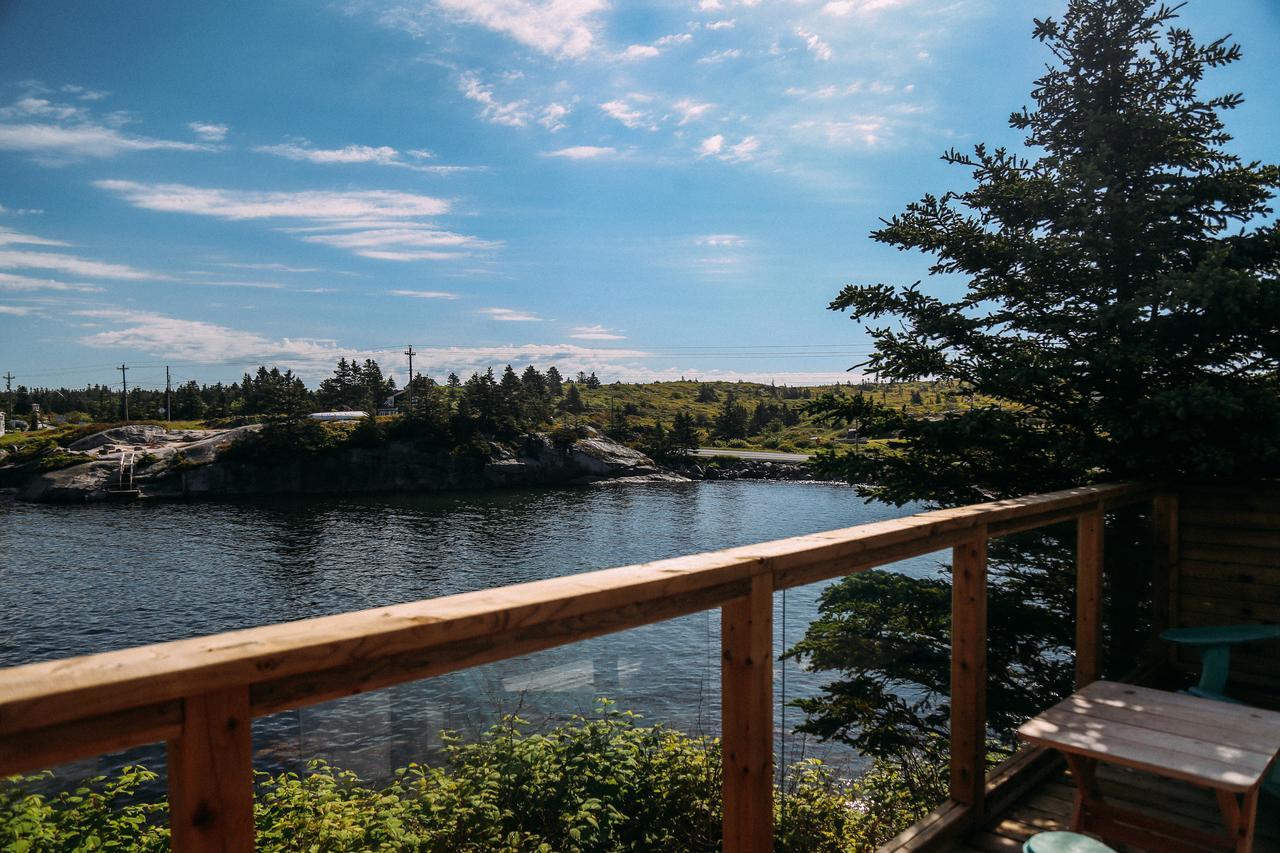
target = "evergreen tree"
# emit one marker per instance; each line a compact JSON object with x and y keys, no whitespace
{"x":733,"y":419}
{"x":684,"y":434}
{"x":572,"y":401}
{"x":555,"y":383}
{"x":1122,"y":294}
{"x":707,"y":394}
{"x":591,"y":381}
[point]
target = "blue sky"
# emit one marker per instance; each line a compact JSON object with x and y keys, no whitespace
{"x":647,"y":190}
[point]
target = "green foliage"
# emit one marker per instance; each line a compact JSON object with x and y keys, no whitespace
{"x":97,"y":814}
{"x":603,"y":783}
{"x":286,"y":441}
{"x":1122,"y":283}
{"x":1121,"y":303}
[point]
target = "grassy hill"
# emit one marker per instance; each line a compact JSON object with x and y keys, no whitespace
{"x":640,"y":404}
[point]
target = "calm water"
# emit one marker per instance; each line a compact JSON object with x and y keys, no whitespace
{"x":86,"y":579}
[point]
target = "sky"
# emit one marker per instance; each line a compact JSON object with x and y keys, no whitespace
{"x":649,"y":190}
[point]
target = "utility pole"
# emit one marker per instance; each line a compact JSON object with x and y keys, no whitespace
{"x":168,"y":398}
{"x":124,"y":393}
{"x":8,"y":387}
{"x":409,"y":352}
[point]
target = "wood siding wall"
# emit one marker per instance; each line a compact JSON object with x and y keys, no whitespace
{"x":1228,"y":574}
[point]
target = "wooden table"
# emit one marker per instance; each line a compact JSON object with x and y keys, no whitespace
{"x":1225,"y":748}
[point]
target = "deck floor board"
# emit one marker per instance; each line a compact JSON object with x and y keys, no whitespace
{"x":1047,"y":806}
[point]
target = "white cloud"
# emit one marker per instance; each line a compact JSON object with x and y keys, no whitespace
{"x":195,"y":340}
{"x":9,"y":237}
{"x":423,"y":294}
{"x":720,"y":240}
{"x":71,"y":265}
{"x":552,"y":117}
{"x":565,"y":29}
{"x":381,"y":155}
{"x":640,"y":51}
{"x":14,"y":310}
{"x":511,"y":113}
{"x":57,"y":143}
{"x":691,"y":110}
{"x":739,"y":152}
{"x":381,"y":224}
{"x":595,"y":333}
{"x":621,"y":110}
{"x":726,"y":24}
{"x":511,"y":315}
{"x":720,"y":56}
{"x":844,"y":8}
{"x":248,"y":204}
{"x":208,"y":131}
{"x":273,"y":267}
{"x":13,"y":283}
{"x":582,"y":152}
{"x":819,"y":48}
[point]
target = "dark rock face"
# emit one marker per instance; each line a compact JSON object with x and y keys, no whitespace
{"x":732,"y":468}
{"x":194,"y":468}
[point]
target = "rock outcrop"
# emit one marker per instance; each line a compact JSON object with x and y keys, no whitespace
{"x":192,"y":464}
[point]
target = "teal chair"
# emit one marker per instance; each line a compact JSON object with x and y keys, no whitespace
{"x":1214,"y":645}
{"x":1064,"y":842}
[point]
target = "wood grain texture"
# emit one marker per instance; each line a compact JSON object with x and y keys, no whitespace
{"x":746,"y":675}
{"x":211,"y":775}
{"x":969,"y":673}
{"x":1090,"y":530}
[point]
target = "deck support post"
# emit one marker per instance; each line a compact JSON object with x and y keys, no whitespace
{"x":969,"y":673}
{"x":211,"y":775}
{"x":1090,"y":529}
{"x":1164,"y":572}
{"x":746,"y":676}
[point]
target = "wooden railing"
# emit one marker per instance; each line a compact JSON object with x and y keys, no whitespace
{"x":201,"y":694}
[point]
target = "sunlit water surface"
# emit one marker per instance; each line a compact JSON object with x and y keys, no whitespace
{"x":84,"y":579}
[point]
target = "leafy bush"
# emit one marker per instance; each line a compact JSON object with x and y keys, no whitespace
{"x":286,"y":441}
{"x":604,"y":783}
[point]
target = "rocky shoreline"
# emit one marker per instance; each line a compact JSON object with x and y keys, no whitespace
{"x":149,"y":462}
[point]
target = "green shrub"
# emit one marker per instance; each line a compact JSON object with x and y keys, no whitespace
{"x":599,"y":783}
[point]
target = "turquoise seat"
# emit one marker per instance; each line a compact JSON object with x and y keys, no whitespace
{"x":1064,"y":842}
{"x":1214,"y":645}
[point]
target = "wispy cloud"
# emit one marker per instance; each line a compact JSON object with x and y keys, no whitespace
{"x":492,"y":109}
{"x":61,"y":133}
{"x":209,"y":131}
{"x":11,"y":283}
{"x":510,"y":315}
{"x":720,"y":56}
{"x":739,"y":152}
{"x":424,"y":294}
{"x":196,"y":340}
{"x":15,"y":310}
{"x":819,"y":48}
{"x":566,"y":29}
{"x":381,"y":155}
{"x":582,"y":152}
{"x":250,"y":204}
{"x":382,"y":224}
{"x":10,"y":237}
{"x":720,"y":241}
{"x":71,"y":265}
{"x":626,"y":112}
{"x":691,"y":110}
{"x":595,"y":333}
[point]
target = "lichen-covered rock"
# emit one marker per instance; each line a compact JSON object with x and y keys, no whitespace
{"x":130,"y":434}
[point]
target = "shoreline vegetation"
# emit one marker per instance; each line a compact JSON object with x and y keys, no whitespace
{"x":605,"y":782}
{"x":530,"y":429}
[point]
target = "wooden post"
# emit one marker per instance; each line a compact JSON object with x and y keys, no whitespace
{"x":1089,"y":547}
{"x":746,"y":676}
{"x":211,"y":775}
{"x":969,"y":673}
{"x":1164,"y":571}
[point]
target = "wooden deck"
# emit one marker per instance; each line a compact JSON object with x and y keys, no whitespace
{"x":1047,"y":807}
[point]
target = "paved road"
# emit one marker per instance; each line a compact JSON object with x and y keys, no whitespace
{"x":758,"y":455}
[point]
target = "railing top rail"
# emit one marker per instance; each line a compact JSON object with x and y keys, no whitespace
{"x":296,"y":663}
